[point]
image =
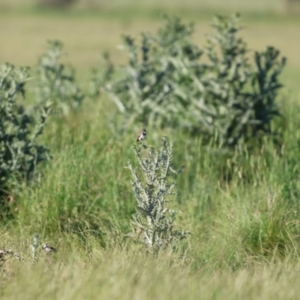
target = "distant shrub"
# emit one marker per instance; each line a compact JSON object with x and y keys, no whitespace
{"x":148,"y":91}
{"x":20,"y":128}
{"x":101,"y":75}
{"x":154,"y":222}
{"x":168,"y":83}
{"x":55,"y":82}
{"x":239,"y":99}
{"x":292,"y":6}
{"x":56,"y":3}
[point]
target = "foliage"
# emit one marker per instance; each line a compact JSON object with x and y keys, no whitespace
{"x":238,"y":229}
{"x":168,"y":83}
{"x":239,"y":101}
{"x":20,"y":128}
{"x":101,"y":75}
{"x":55,"y":82}
{"x":147,"y":90}
{"x":34,"y":247}
{"x":154,"y":221}
{"x":245,"y":242}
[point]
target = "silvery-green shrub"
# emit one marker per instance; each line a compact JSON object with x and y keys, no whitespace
{"x":221,"y":91}
{"x":152,"y":186}
{"x":55,"y":82}
{"x":20,"y":127}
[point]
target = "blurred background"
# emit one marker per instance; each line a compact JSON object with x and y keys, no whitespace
{"x":264,"y":6}
{"x":89,"y":27}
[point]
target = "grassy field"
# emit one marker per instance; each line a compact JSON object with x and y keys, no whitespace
{"x":244,"y":241}
{"x":154,"y":5}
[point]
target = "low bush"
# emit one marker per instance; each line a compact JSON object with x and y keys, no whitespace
{"x":55,"y":82}
{"x":20,"y":127}
{"x":217,"y":92}
{"x":151,"y":185}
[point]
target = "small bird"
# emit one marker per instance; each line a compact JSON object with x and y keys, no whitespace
{"x":141,"y":136}
{"x":48,"y":248}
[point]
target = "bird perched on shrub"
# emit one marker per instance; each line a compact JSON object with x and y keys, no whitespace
{"x":142,"y":135}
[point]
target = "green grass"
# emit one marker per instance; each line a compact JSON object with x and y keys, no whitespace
{"x":245,"y":231}
{"x":23,"y":37}
{"x":132,"y":8}
{"x":244,"y":240}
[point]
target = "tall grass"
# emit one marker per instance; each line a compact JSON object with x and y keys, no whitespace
{"x":242,"y":211}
